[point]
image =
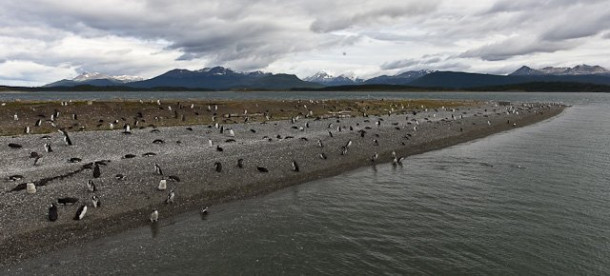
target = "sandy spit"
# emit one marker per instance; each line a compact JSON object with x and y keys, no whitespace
{"x":25,"y":230}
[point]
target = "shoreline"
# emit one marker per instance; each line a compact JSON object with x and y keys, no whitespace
{"x":127,"y":204}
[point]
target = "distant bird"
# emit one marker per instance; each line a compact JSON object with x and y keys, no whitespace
{"x":154,"y":216}
{"x":322,"y":156}
{"x":210,"y":143}
{"x":348,"y":144}
{"x":15,"y":177}
{"x":295,"y":166}
{"x":127,"y":129}
{"x":14,"y":146}
{"x":38,"y":122}
{"x":16,"y":117}
{"x":162,"y":185}
{"x":218,"y":166}
{"x":344,"y":150}
{"x":47,"y":147}
{"x":74,"y":160}
{"x":80,"y":212}
{"x":96,"y":171}
{"x":120,"y":176}
{"x":158,"y":169}
{"x":67,"y":139}
{"x":374,"y":157}
{"x":262,"y":169}
{"x":158,"y":141}
{"x":320,"y":143}
{"x":204,"y":210}
{"x":170,"y":197}
{"x":173,"y":178}
{"x":218,"y":148}
{"x":95,"y":201}
{"x":27,"y":130}
{"x":30,"y":188}
{"x":330,"y":134}
{"x":231,"y":133}
{"x":66,"y":200}
{"x":240,"y":163}
{"x":91,"y":186}
{"x":53,"y":212}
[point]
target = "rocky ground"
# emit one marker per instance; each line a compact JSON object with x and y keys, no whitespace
{"x":184,"y":152}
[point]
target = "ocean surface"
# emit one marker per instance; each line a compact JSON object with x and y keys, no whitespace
{"x":529,"y":201}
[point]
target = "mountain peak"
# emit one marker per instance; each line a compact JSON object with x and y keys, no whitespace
{"x":576,"y":70}
{"x":86,"y":76}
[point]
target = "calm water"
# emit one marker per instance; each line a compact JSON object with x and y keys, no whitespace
{"x":531,"y":201}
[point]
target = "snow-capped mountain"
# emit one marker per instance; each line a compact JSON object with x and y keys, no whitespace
{"x":561,"y":71}
{"x":86,"y":76}
{"x":404,"y":78}
{"x":327,"y":79}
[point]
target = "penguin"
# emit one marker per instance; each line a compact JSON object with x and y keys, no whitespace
{"x":348,"y":144}
{"x":374,"y":157}
{"x":295,"y":166}
{"x":210,"y":144}
{"x":14,"y":146}
{"x":47,"y":147}
{"x":218,"y":166}
{"x":154,"y":216}
{"x":127,"y":129}
{"x":91,"y":186}
{"x":80,"y":213}
{"x":162,"y":185}
{"x":30,"y":188}
{"x":322,"y":156}
{"x":67,"y":139}
{"x":158,"y":141}
{"x":320,"y":143}
{"x":158,"y":169}
{"x":15,"y":177}
{"x":262,"y":169}
{"x":170,"y":197}
{"x":218,"y":148}
{"x":330,"y":134}
{"x":53,"y":212}
{"x":204,"y":211}
{"x":231,"y":133}
{"x":240,"y":163}
{"x":120,"y":176}
{"x":38,"y":122}
{"x":96,"y":171}
{"x":74,"y":160}
{"x":95,"y":202}
{"x":27,"y":130}
{"x":173,"y":178}
{"x":66,"y":200}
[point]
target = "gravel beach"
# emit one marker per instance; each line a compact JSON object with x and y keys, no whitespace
{"x":184,"y":153}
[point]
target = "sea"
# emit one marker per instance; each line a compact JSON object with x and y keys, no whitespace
{"x":530,"y":201}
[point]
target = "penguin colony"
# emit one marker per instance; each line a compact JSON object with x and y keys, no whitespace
{"x":360,"y":134}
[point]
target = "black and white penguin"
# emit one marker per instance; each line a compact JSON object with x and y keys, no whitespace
{"x":322,"y":156}
{"x":91,"y":186}
{"x":158,"y":169}
{"x":127,"y":129}
{"x":262,"y":169}
{"x":204,"y":211}
{"x":218,"y":148}
{"x":80,"y":213}
{"x":67,"y":139}
{"x":295,"y":166}
{"x":53,"y":212}
{"x":374,"y":157}
{"x":218,"y":166}
{"x":95,"y":202}
{"x":120,"y":176}
{"x":320,"y":143}
{"x":38,"y":122}
{"x":96,"y":171}
{"x":47,"y":147}
{"x":240,"y":163}
{"x":170,"y":197}
{"x":154,"y":216}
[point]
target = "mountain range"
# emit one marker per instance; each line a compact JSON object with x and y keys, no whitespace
{"x":220,"y":78}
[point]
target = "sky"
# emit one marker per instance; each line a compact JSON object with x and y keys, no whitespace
{"x":42,"y":41}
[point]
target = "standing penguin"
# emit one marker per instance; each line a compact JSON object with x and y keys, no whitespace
{"x":154,"y":216}
{"x":95,"y":201}
{"x":96,"y":171}
{"x":218,"y":166}
{"x":80,"y":213}
{"x":53,"y":212}
{"x":295,"y":166}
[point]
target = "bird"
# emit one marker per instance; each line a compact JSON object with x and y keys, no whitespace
{"x":170,"y":197}
{"x":91,"y":186}
{"x":162,"y":185}
{"x":262,"y":169}
{"x":53,"y":212}
{"x":158,"y":169}
{"x":348,"y":144}
{"x":210,"y":143}
{"x":96,"y":171}
{"x":154,"y":216}
{"x":374,"y":157}
{"x":95,"y":201}
{"x":218,"y":148}
{"x":218,"y":166}
{"x":80,"y":212}
{"x":47,"y":147}
{"x":231,"y":133}
{"x":14,"y":146}
{"x":240,"y":163}
{"x":27,"y":130}
{"x":127,"y":129}
{"x":320,"y":143}
{"x":67,"y":139}
{"x":204,"y":210}
{"x":66,"y":200}
{"x":322,"y":156}
{"x":120,"y":176}
{"x":295,"y":166}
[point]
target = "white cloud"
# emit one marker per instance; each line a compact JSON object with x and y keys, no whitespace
{"x":149,"y":37}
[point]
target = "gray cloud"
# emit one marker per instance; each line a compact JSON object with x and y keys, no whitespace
{"x":422,"y":62}
{"x":509,"y":48}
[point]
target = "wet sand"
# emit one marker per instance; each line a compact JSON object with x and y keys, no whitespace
{"x":25,"y":230}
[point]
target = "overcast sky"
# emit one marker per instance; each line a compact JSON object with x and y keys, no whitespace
{"x":46,"y":40}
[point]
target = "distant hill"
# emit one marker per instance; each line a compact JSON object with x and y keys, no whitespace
{"x":578,"y":70}
{"x":95,"y":79}
{"x":220,"y":78}
{"x":400,"y":79}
